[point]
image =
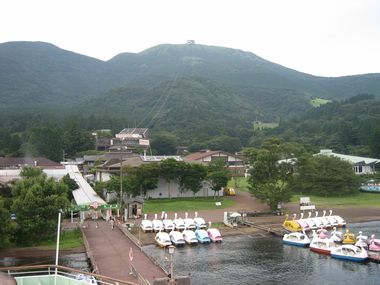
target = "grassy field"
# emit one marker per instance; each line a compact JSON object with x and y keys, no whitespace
{"x":261,"y":126}
{"x":318,"y":102}
{"x":359,"y":200}
{"x":184,"y":204}
{"x":68,"y":240}
{"x":239,"y":183}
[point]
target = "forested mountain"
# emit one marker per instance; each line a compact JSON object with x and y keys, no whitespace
{"x":351,"y":126}
{"x":204,"y":96}
{"x":37,"y":73}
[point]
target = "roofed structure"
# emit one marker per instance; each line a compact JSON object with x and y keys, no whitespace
{"x":234,"y":162}
{"x":18,"y":162}
{"x":361,"y":165}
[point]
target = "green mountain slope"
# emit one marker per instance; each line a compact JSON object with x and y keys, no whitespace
{"x":40,"y":75}
{"x":36,"y":73}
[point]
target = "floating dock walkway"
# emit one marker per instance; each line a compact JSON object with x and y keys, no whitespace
{"x":279,"y":232}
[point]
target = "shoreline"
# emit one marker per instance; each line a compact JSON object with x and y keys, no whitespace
{"x":272,"y":222}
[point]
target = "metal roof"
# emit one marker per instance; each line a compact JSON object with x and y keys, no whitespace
{"x":84,"y":195}
{"x":350,"y":158}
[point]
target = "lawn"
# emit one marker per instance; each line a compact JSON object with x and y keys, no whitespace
{"x":359,"y":200}
{"x":239,"y":183}
{"x":318,"y":102}
{"x":68,"y":240}
{"x":185,"y":204}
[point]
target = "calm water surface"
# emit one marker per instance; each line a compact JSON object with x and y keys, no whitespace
{"x":247,"y":260}
{"x":75,"y":260}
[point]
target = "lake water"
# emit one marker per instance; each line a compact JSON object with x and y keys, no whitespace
{"x":247,"y":260}
{"x":75,"y":260}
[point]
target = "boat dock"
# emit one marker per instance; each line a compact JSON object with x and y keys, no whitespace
{"x":115,"y":255}
{"x":276,"y":231}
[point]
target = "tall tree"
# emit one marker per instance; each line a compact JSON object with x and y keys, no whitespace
{"x":76,"y":139}
{"x":325,"y":176}
{"x":169,"y":171}
{"x":270,"y":174}
{"x":5,"y":225}
{"x":36,"y":202}
{"x":218,"y":175}
{"x":192,"y":177}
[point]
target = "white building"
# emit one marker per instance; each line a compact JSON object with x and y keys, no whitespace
{"x":361,"y":165}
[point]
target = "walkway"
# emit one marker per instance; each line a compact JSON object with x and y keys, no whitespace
{"x":110,"y":248}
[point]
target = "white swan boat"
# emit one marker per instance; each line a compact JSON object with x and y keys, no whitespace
{"x":176,"y":238}
{"x":296,"y":239}
{"x":350,"y":252}
{"x":146,"y":225}
{"x":200,"y":223}
{"x":168,"y":225}
{"x":336,"y":236}
{"x":321,"y":245}
{"x":179,"y":224}
{"x":162,"y":239}
{"x":189,"y":237}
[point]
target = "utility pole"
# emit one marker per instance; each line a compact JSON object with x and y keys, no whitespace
{"x":121,"y":181}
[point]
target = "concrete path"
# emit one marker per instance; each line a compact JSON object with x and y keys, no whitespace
{"x":111,"y":251}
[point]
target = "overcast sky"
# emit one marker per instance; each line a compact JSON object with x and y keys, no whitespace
{"x":320,"y":37}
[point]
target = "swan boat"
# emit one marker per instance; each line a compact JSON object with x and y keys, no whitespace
{"x":202,"y":236}
{"x":321,"y":245}
{"x":291,"y":225}
{"x":348,"y":238}
{"x":350,"y":252}
{"x":374,"y":244}
{"x":190,"y":237}
{"x":146,"y":226}
{"x":336,"y":236}
{"x":214,"y":235}
{"x":168,"y":225}
{"x":157,"y":225}
{"x":179,"y":224}
{"x":200,"y":223}
{"x":303,"y":223}
{"x":162,"y":239}
{"x":296,"y":239}
{"x":176,"y":238}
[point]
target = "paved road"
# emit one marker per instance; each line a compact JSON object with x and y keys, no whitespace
{"x":111,"y":251}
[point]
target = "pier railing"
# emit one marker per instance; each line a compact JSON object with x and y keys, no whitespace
{"x":55,"y":271}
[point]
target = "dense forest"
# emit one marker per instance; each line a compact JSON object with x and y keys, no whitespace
{"x":351,"y":127}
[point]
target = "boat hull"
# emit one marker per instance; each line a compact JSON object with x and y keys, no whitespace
{"x":294,"y":243}
{"x":320,"y":250}
{"x":350,"y":258}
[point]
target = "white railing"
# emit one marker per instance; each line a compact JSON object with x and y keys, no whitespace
{"x":39,"y":271}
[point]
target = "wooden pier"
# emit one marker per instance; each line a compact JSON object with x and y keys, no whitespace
{"x":278,"y":232}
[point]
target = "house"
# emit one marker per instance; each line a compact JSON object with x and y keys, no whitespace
{"x":131,"y":138}
{"x":10,"y":167}
{"x":361,"y":165}
{"x":235,"y":163}
{"x":164,"y":189}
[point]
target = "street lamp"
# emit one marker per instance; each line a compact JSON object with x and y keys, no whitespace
{"x":171,"y":252}
{"x":121,"y":181}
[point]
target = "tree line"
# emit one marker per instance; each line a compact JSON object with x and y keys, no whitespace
{"x":280,"y":169}
{"x":189,"y":176}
